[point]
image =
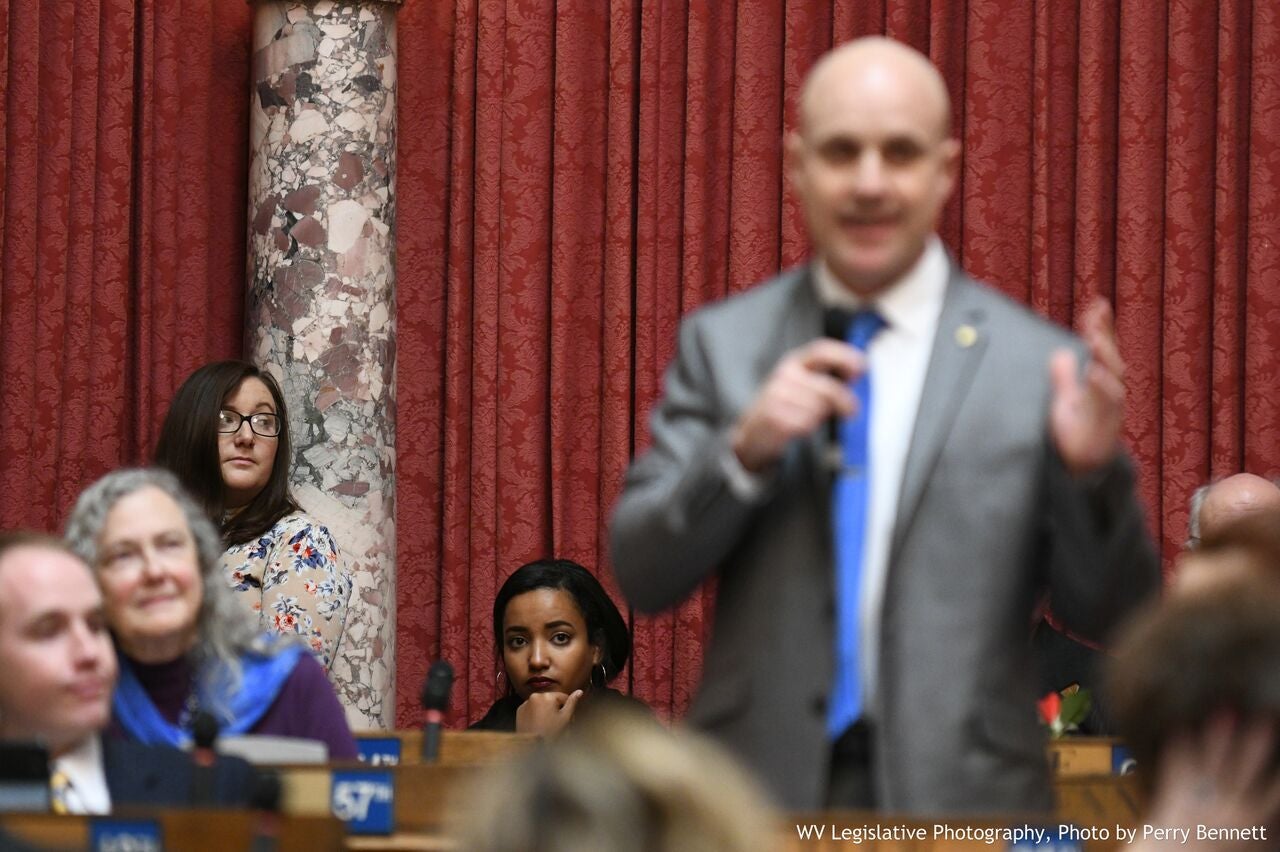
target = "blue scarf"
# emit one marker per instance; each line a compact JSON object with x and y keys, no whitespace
{"x":262,"y":678}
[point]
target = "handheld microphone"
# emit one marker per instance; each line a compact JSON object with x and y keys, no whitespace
{"x":204,"y":731}
{"x":435,"y":698}
{"x":835,"y":324}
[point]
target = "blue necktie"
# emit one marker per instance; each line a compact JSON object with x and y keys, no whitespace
{"x":849,"y":521}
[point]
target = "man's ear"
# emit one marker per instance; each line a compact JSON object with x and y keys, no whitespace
{"x":951,"y":158}
{"x":949,"y":150}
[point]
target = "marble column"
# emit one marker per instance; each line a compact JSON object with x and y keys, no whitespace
{"x":321,"y":295}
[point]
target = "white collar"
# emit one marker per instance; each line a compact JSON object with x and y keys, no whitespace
{"x":83,"y":766}
{"x":909,"y":305}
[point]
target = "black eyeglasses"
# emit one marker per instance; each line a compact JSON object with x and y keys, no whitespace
{"x":263,"y":424}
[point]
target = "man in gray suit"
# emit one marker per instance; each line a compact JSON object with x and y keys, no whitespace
{"x":883,"y":661}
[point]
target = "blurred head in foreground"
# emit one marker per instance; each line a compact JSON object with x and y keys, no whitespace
{"x":618,"y":782}
{"x":1186,"y":664}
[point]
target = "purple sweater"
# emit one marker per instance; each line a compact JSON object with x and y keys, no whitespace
{"x":306,"y":706}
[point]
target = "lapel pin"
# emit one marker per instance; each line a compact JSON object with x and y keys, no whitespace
{"x":966,"y":336}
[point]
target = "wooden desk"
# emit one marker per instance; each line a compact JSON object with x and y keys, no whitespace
{"x":1083,"y":755}
{"x":425,"y":802}
{"x":427,"y":797}
{"x":1108,"y":800}
{"x":187,"y":830}
{"x":425,"y":793}
{"x":458,"y":747}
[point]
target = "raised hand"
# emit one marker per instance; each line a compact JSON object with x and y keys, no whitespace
{"x":546,"y":713}
{"x":1222,"y":777}
{"x":1086,"y":413}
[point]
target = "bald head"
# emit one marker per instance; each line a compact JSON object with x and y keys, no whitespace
{"x":1230,"y":500}
{"x":872,"y":161}
{"x":875,"y":62}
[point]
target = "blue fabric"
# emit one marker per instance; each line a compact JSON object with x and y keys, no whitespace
{"x":262,"y":678}
{"x":849,"y":521}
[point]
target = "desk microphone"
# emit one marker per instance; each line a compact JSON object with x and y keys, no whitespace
{"x":264,"y":799}
{"x":835,"y":324}
{"x":435,"y":698}
{"x":204,"y":730}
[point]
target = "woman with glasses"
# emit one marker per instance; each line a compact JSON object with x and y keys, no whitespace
{"x":226,"y":437}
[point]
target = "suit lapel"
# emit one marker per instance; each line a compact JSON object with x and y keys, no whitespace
{"x":958,"y":347}
{"x":801,"y":324}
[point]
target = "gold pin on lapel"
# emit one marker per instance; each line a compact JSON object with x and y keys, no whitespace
{"x":966,"y":336}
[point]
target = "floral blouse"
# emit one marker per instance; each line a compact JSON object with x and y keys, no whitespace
{"x":294,"y":579}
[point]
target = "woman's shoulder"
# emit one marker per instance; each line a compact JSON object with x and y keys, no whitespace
{"x":299,"y":522}
{"x":299,"y":529}
{"x":307,"y":678}
{"x":611,"y":697}
{"x":307,"y":707}
{"x":501,"y":716}
{"x":296,"y":529}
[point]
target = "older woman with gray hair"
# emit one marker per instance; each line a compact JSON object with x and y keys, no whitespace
{"x":184,"y":645}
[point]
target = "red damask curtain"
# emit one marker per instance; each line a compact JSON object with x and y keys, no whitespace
{"x":575,"y":176}
{"x":122,"y":193}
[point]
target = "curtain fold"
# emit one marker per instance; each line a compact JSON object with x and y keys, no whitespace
{"x":122,"y":242}
{"x":576,"y":176}
{"x":590,"y":173}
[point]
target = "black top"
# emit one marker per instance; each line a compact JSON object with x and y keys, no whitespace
{"x":502,"y":715}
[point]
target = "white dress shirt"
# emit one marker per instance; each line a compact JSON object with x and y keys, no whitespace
{"x":83,"y":767}
{"x":897,"y":360}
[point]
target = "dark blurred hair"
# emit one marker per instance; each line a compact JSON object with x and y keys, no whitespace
{"x":188,"y":446}
{"x":1182,"y":662}
{"x":605,"y":626}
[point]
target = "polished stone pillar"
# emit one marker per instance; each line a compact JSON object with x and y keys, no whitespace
{"x":321,"y":295}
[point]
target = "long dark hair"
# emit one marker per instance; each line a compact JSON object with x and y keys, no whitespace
{"x":606,"y":628}
{"x":188,"y":446}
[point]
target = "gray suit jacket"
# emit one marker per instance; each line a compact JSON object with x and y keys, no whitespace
{"x":988,"y":521}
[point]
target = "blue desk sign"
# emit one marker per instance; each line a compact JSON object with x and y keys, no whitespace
{"x":124,"y":835}
{"x":379,"y":751}
{"x":365,"y":800}
{"x":1122,"y":762}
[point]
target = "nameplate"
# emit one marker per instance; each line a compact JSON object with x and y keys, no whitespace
{"x":379,"y":751}
{"x":365,"y":800}
{"x":124,"y":835}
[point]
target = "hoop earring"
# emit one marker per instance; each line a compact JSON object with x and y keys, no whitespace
{"x":602,"y":678}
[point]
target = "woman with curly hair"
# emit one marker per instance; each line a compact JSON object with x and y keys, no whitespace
{"x":184,"y":646}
